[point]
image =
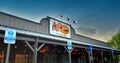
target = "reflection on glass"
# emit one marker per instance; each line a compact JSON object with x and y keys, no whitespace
{"x":52,"y":54}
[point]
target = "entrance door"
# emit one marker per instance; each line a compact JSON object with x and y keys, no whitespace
{"x":20,"y":53}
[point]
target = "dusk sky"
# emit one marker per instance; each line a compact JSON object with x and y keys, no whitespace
{"x":98,"y":19}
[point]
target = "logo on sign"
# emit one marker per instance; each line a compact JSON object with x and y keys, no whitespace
{"x":10,"y":36}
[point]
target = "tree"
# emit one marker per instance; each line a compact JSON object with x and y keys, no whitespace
{"x":115,"y":41}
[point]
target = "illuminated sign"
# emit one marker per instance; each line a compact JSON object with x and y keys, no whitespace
{"x":59,"y":29}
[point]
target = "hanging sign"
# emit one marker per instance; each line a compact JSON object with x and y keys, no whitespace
{"x":59,"y":29}
{"x":10,"y":36}
{"x":69,"y":44}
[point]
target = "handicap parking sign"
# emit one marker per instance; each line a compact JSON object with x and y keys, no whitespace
{"x":112,"y":51}
{"x":10,"y":36}
{"x":91,"y":47}
{"x":69,"y":44}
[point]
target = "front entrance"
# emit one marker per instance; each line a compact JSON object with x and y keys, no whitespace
{"x":50,"y":53}
{"x":19,"y":52}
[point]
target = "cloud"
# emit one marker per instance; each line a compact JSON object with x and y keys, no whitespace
{"x":86,"y":30}
{"x":95,"y":33}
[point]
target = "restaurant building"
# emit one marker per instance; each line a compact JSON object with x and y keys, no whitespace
{"x":50,"y":41}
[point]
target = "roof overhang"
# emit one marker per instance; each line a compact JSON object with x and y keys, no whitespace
{"x":51,"y":37}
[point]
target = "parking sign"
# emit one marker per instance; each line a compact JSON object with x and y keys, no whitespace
{"x":91,"y":48}
{"x":10,"y":36}
{"x":69,"y":44}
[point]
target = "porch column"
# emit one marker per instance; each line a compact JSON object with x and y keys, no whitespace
{"x":35,"y":51}
{"x":90,"y":57}
{"x":90,"y":53}
{"x":69,"y":52}
{"x":70,"y":61}
{"x":112,"y":54}
{"x":102,"y":56}
{"x":117,"y":57}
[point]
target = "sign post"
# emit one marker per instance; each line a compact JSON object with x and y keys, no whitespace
{"x":8,"y":52}
{"x":9,"y":38}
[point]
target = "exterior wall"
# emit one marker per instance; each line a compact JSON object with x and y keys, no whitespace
{"x":42,"y":27}
{"x":74,"y":36}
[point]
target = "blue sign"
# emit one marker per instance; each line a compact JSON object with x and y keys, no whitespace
{"x":112,"y":51}
{"x":10,"y":36}
{"x":69,"y":44}
{"x":91,"y":48}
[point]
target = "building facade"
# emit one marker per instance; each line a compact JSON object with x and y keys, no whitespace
{"x":48,"y":42}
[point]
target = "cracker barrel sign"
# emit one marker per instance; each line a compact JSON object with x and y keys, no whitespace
{"x":59,"y":29}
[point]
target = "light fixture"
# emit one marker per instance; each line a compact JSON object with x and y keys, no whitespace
{"x":68,"y":19}
{"x":15,"y":47}
{"x":25,"y":45}
{"x":74,"y":22}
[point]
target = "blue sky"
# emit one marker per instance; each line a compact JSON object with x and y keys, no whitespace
{"x":99,"y":19}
